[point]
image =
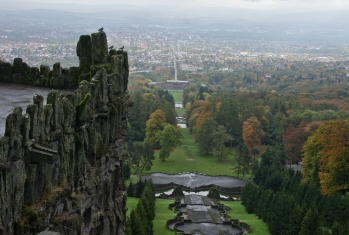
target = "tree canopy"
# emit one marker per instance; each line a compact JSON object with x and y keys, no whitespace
{"x":169,"y":138}
{"x":326,"y":157}
{"x":156,"y":123}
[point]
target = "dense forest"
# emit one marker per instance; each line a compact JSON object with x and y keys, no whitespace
{"x":268,"y":130}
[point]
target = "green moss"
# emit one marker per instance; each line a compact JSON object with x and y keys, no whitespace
{"x":108,"y":68}
{"x":80,"y":107}
{"x":30,"y":215}
{"x":85,"y":76}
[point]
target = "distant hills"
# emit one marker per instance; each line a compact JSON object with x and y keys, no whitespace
{"x":326,"y":26}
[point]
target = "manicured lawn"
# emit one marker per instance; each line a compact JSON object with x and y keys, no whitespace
{"x":184,"y":160}
{"x":238,"y":211}
{"x":163,"y":214}
{"x":177,"y":96}
{"x":180,"y":111}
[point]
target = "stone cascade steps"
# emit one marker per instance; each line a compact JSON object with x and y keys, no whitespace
{"x":216,"y":218}
{"x":192,"y":215}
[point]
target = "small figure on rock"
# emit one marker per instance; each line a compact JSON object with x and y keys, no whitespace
{"x":100,"y":30}
{"x":111,"y":47}
{"x":121,"y":48}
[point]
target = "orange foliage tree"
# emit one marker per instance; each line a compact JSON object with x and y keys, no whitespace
{"x":251,"y":134}
{"x":294,"y":139}
{"x":326,"y":157}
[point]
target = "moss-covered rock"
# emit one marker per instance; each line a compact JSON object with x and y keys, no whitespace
{"x":83,"y":51}
{"x":99,"y":48}
{"x":5,"y":72}
{"x":73,"y":77}
{"x":81,"y":112}
{"x":57,"y":69}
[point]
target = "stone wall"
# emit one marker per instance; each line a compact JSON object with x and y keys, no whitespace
{"x":61,"y":162}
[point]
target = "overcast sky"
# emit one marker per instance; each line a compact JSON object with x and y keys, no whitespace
{"x":275,"y":5}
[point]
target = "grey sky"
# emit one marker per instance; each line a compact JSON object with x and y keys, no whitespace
{"x":277,"y":5}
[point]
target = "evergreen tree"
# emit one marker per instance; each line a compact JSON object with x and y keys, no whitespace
{"x":128,"y":230}
{"x":126,"y":171}
{"x":143,"y":215}
{"x":139,"y":188}
{"x":130,"y":190}
{"x":310,"y":222}
{"x":137,"y":224}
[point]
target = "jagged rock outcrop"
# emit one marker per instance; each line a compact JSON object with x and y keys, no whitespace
{"x":60,"y":162}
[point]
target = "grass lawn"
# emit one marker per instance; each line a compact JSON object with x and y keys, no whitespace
{"x":180,"y":111}
{"x":184,"y":160}
{"x":177,"y":96}
{"x":238,"y":211}
{"x":163,"y":213}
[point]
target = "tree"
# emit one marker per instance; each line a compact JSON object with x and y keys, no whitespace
{"x":139,"y":186}
{"x":241,"y":161}
{"x":310,"y":222}
{"x":294,"y":139}
{"x":130,"y":190}
{"x":126,"y":171}
{"x":137,"y":223}
{"x":252,"y":134}
{"x":147,"y":157}
{"x":169,"y":138}
{"x":220,"y":138}
{"x":156,"y":123}
{"x":228,"y":116}
{"x":205,"y":139}
{"x":326,"y":157}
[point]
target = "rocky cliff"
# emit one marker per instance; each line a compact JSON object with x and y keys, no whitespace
{"x":60,"y":162}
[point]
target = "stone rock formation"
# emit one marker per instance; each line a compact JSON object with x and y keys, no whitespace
{"x":61,"y":162}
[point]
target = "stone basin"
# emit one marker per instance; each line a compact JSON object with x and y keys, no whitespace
{"x":194,"y":180}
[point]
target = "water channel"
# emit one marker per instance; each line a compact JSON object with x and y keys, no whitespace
{"x":12,"y":96}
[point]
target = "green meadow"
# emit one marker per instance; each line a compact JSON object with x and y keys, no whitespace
{"x":185,"y":158}
{"x":177,"y":96}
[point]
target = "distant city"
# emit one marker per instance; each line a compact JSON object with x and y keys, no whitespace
{"x":152,"y":47}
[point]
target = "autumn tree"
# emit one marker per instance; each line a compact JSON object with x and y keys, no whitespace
{"x":325,"y":158}
{"x":294,"y":139}
{"x":156,"y":123}
{"x":252,"y":134}
{"x":169,"y":138}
